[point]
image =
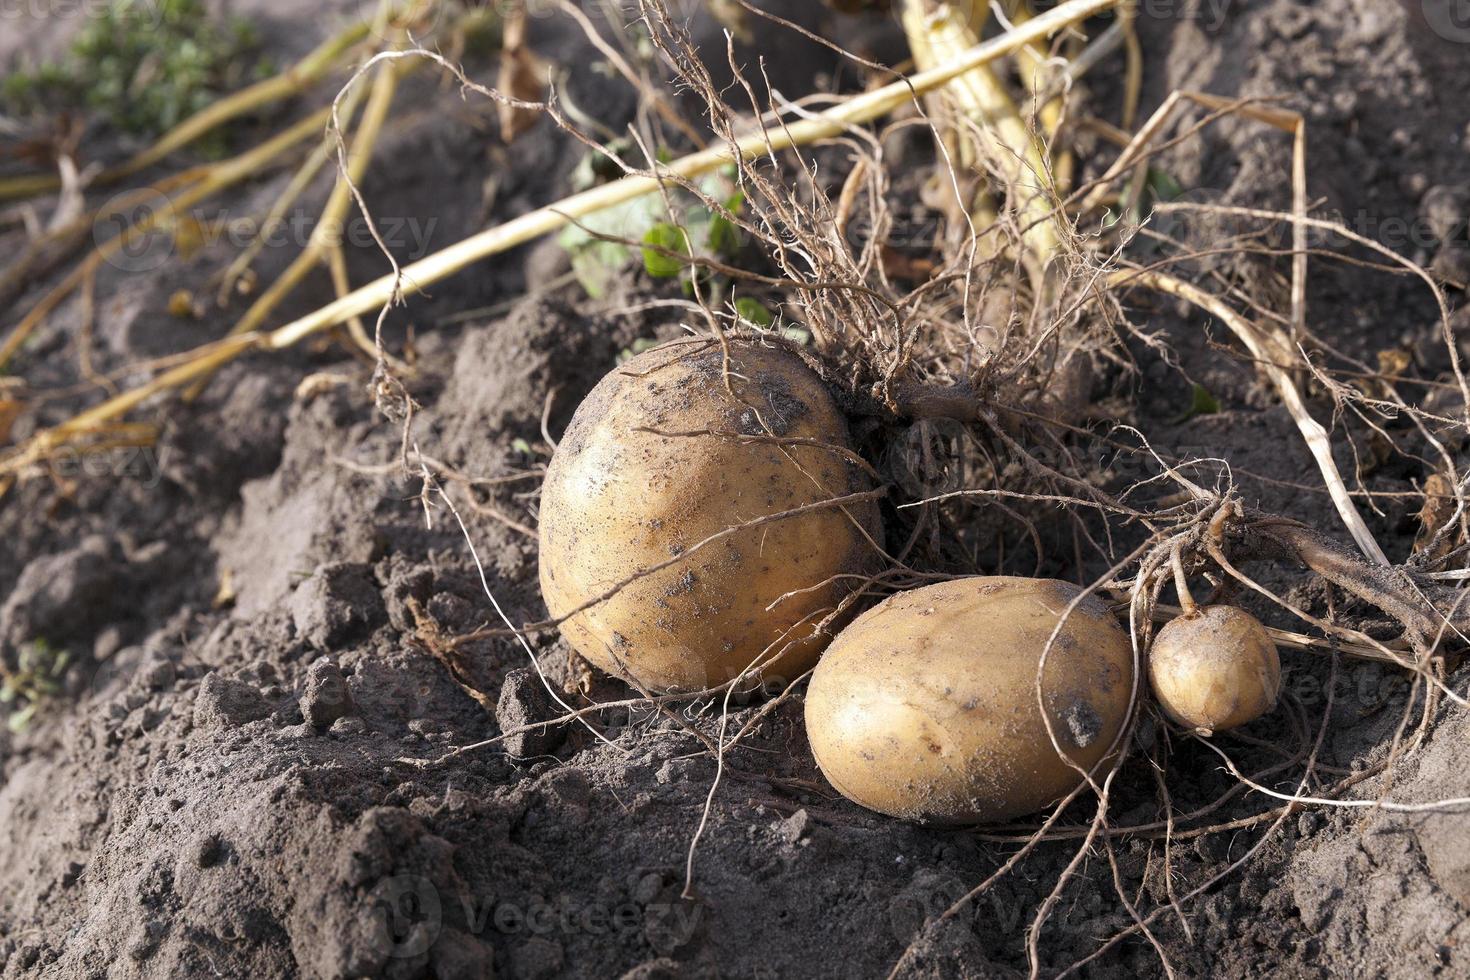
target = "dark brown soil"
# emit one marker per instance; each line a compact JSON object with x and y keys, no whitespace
{"x":230,"y":789}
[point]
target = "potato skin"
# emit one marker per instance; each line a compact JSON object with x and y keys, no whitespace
{"x":926,"y":708}
{"x":1215,"y":670}
{"x":617,"y":500}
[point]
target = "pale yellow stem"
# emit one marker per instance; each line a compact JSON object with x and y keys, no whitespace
{"x":938,"y":34}
{"x":297,"y":187}
{"x":215,"y":179}
{"x":834,"y":122}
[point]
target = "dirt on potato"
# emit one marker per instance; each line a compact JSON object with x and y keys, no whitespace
{"x":246,"y":773}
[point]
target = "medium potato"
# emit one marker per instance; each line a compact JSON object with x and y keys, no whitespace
{"x":1215,"y":670}
{"x":619,"y":499}
{"x":926,"y":706}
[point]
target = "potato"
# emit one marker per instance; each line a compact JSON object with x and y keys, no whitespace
{"x":619,"y":499}
{"x":1215,"y":670}
{"x":926,"y":707}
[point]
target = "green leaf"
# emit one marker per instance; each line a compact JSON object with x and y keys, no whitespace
{"x":754,"y":311}
{"x":724,"y":234}
{"x":1201,"y":403}
{"x":18,"y":720}
{"x":1163,"y":186}
{"x":639,"y":346}
{"x":670,"y":239}
{"x":595,"y":261}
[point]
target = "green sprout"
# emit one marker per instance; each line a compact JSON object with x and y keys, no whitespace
{"x":38,"y":675}
{"x":667,"y":247}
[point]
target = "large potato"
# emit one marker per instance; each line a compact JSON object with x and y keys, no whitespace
{"x":619,"y":498}
{"x":926,"y":706}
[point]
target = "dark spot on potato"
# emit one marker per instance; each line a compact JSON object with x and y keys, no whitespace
{"x":684,"y":585}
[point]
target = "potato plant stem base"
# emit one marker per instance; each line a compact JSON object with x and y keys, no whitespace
{"x":834,"y":122}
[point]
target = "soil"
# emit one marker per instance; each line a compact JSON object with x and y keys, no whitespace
{"x":249,"y":772}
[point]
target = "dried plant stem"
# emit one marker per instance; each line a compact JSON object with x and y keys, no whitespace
{"x":329,"y":225}
{"x":1273,"y":354}
{"x":938,"y":33}
{"x":1282,"y":119}
{"x":300,"y":181}
{"x":1294,"y":640}
{"x":214,"y":180}
{"x":445,"y":263}
{"x":1037,"y":74}
{"x":1133,"y":73}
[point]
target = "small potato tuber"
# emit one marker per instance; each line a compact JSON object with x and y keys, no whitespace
{"x":661,"y":456}
{"x":1214,"y":670}
{"x":927,"y":706}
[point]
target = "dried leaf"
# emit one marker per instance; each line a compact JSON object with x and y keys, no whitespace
{"x":522,"y":76}
{"x":1439,"y":507}
{"x":1394,"y":362}
{"x":909,"y":268}
{"x":225,"y":596}
{"x":181,"y":306}
{"x":190,"y":236}
{"x":9,"y":411}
